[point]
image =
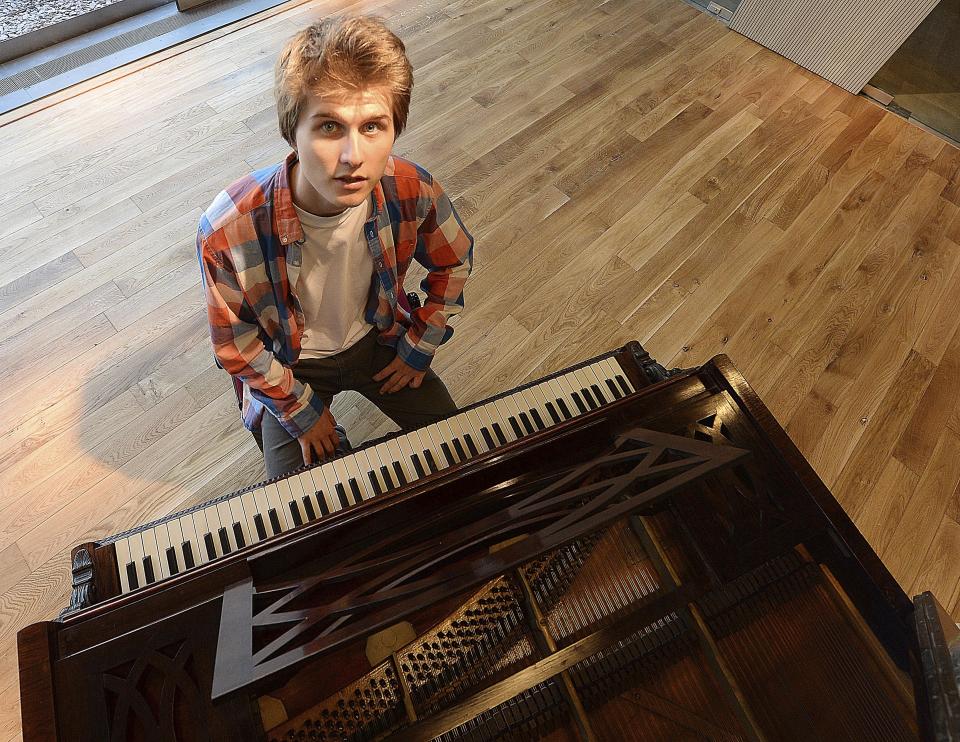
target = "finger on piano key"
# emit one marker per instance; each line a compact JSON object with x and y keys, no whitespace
{"x":122,"y":550}
{"x":277,"y":514}
{"x":135,"y":544}
{"x":399,"y":449}
{"x":224,"y":533}
{"x":191,"y":550}
{"x":151,"y":571}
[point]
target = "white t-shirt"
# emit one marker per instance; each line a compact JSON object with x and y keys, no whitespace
{"x":334,"y":282}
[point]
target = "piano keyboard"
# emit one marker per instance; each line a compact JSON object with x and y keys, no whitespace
{"x":186,"y":540}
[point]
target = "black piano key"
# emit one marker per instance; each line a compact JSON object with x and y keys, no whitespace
{"x":188,"y":561}
{"x":588,"y":398}
{"x":613,"y":389}
{"x":308,"y":508}
{"x":445,"y":447}
{"x":579,"y":402}
{"x":418,"y":466}
{"x":238,"y":536}
{"x":208,"y":543}
{"x":564,"y":410}
{"x":428,"y":457}
{"x":598,"y":394}
{"x":375,"y":483}
{"x":487,"y":438}
{"x":387,"y":479}
{"x":537,"y":420}
{"x":258,"y":524}
{"x":515,"y":424}
{"x":295,"y":513}
{"x":398,"y":470}
{"x":132,"y":576}
{"x":471,"y":446}
{"x":274,"y":521}
{"x":172,"y":566}
{"x":322,"y":501}
{"x":458,"y":447}
{"x":342,"y":495}
{"x":148,"y":575}
{"x":525,"y":419}
{"x":224,"y":540}
{"x":623,"y":384}
{"x":355,"y":489}
{"x":553,"y":413}
{"x":498,"y":431}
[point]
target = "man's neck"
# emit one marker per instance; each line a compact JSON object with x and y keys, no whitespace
{"x":298,"y":187}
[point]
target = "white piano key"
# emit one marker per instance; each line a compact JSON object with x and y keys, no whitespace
{"x":275,"y":500}
{"x":497,"y":412}
{"x":322,"y":476}
{"x":511,"y":410}
{"x":479,"y":424}
{"x":202,"y":528}
{"x":150,"y":550}
{"x":135,"y":544}
{"x":376,"y":455}
{"x":444,"y":432}
{"x":400,"y":453}
{"x":243,"y":512}
{"x":189,"y":530}
{"x":531,"y":404}
{"x":291,"y":492}
{"x":616,"y":373}
{"x":343,"y":495}
{"x":585,"y":384}
{"x":542,"y":393}
{"x":598,"y":378}
{"x":176,"y":538}
{"x":226,"y":524}
{"x":572,"y":393}
{"x":122,"y":550}
{"x":236,"y":516}
{"x":306,"y":492}
{"x":431,"y":442}
{"x":162,"y":535}
{"x":463,"y":425}
{"x":359,"y":465}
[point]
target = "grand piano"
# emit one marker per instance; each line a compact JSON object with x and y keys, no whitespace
{"x":612,"y":552}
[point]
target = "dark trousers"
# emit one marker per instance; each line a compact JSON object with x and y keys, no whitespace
{"x":353,"y":369}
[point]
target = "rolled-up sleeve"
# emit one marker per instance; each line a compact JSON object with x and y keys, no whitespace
{"x":240,"y":351}
{"x":445,"y":249}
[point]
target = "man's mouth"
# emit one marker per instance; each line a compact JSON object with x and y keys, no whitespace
{"x":350,"y":178}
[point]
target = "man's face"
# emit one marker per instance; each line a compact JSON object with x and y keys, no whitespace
{"x":338,"y":138}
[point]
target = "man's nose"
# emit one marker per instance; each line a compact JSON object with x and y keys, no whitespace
{"x":351,"y":152}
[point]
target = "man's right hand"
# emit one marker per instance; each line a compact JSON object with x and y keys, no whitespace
{"x":321,"y":440}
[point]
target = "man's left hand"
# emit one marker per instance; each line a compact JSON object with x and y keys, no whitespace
{"x":399,"y":374}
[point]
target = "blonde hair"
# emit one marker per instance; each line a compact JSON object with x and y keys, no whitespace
{"x":341,"y":54}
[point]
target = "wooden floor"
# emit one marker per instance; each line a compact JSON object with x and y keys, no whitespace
{"x":630,"y":169}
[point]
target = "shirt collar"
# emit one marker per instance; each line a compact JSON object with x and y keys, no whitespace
{"x":289,"y":228}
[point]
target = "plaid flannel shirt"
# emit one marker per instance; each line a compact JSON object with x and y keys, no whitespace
{"x":249,"y":246}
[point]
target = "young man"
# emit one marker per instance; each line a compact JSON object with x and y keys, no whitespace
{"x":303,"y":262}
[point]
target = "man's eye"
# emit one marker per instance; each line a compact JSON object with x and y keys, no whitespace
{"x":328,"y":126}
{"x":373,"y":126}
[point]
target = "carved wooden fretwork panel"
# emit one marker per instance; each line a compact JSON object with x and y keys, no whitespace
{"x":278,"y":628}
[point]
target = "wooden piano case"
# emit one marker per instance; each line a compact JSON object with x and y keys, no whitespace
{"x":667,"y":567}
